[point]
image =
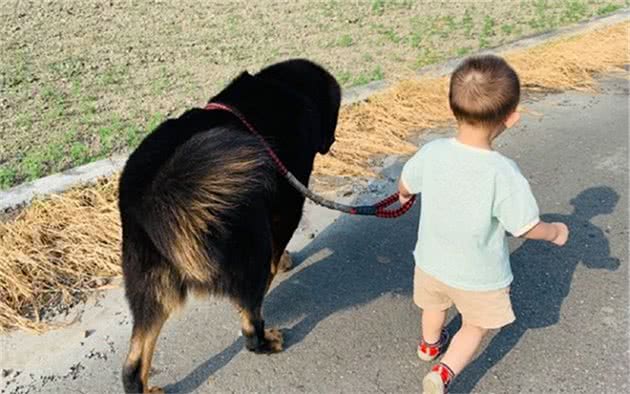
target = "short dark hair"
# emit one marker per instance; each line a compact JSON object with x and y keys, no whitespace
{"x":484,"y":90}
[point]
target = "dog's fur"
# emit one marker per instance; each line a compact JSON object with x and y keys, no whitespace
{"x":204,"y":210}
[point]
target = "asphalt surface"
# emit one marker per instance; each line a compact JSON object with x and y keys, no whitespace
{"x":346,"y":310}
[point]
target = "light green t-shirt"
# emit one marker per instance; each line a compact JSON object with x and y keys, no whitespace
{"x":470,"y":197}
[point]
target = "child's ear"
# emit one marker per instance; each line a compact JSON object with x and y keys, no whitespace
{"x":512,"y":119}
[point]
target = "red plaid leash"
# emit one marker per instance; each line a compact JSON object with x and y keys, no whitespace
{"x":378,"y":209}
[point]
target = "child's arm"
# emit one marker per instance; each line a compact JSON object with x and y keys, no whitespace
{"x":410,"y":182}
{"x":404,"y":194}
{"x":556,"y":232}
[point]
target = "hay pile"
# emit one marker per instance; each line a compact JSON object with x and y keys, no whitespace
{"x":58,"y":248}
{"x":572,"y":63}
{"x":55,"y":250}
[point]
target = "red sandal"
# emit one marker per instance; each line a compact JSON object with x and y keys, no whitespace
{"x":429,"y":351}
{"x":437,"y":381}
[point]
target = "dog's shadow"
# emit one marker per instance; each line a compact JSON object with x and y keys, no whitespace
{"x":353,"y":261}
{"x":357,"y":260}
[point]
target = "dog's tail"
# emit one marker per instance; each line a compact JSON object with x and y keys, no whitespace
{"x":195,"y":194}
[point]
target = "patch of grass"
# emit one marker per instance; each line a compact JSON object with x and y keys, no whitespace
{"x":19,"y":71}
{"x":378,"y":7}
{"x":467,"y":23}
{"x":106,"y":135}
{"x":608,"y":9}
{"x":345,"y":41}
{"x":542,"y":19}
{"x":391,"y":35}
{"x":507,"y":28}
{"x":32,"y":165}
{"x":443,"y":26}
{"x":69,"y":136}
{"x":53,"y":115}
{"x":154,"y":121}
{"x":427,"y":56}
{"x":415,"y":40}
{"x":406,"y":4}
{"x":68,"y":68}
{"x":25,"y":120}
{"x":344,"y":77}
{"x":7,"y":176}
{"x":574,"y":11}
{"x":133,"y":136}
{"x":463,"y":51}
{"x":113,"y":75}
{"x":330,"y":8}
{"x":80,"y":153}
{"x":36,"y":163}
{"x":488,"y":26}
{"x":483,"y":42}
{"x":87,"y":111}
{"x":53,"y":95}
{"x":160,"y":84}
{"x":233,"y":22}
{"x":376,"y":74}
{"x":54,"y":155}
{"x":487,"y":31}
{"x":76,"y":88}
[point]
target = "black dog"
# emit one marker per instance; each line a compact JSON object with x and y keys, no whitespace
{"x":204,"y":210}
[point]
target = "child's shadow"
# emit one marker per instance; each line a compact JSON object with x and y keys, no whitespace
{"x":542,"y":277}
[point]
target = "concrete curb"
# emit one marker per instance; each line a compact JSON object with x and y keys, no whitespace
{"x":57,"y":183}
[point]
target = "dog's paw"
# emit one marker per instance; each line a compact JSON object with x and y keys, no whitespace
{"x":273,"y":342}
{"x":274,"y":338}
{"x":286,"y":262}
{"x":156,"y":390}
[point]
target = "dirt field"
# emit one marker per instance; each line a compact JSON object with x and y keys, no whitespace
{"x":83,"y":80}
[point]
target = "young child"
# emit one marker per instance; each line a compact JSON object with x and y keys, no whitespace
{"x":471,"y":195}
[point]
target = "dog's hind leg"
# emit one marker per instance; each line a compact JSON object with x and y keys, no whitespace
{"x":138,"y":364}
{"x":154,"y":290}
{"x":257,"y":338}
{"x":152,"y":302}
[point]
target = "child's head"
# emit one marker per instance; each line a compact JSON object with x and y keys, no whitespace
{"x":485,"y":92}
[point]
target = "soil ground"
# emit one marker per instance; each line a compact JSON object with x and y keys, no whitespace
{"x":81,"y":80}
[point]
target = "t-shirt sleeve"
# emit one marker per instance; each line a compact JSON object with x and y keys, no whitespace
{"x":517,"y":211}
{"x":412,"y":173}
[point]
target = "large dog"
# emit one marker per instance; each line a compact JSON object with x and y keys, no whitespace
{"x":203,"y":209}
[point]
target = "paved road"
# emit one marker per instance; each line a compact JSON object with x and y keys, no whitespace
{"x":347,"y":312}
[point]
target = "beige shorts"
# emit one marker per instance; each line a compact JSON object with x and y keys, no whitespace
{"x":486,"y":309}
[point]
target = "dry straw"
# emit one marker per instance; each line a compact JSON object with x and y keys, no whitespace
{"x":55,"y":250}
{"x":59,"y":248}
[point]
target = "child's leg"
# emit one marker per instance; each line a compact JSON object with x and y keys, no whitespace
{"x":461,"y":350}
{"x":429,"y":295}
{"x":432,"y":324}
{"x":480,"y":311}
{"x":463,"y":347}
